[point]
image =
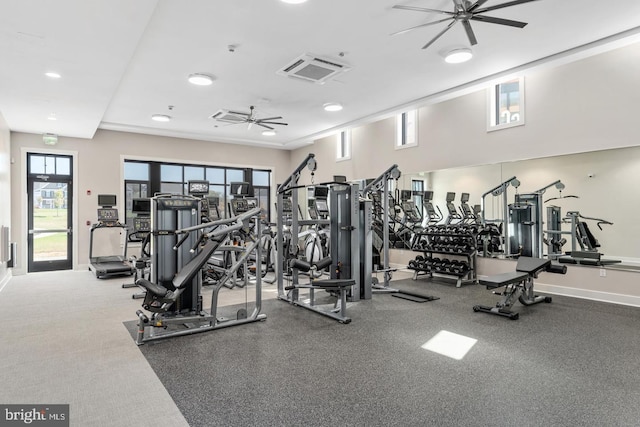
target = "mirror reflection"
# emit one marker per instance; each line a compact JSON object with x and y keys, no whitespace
{"x":582,"y":203}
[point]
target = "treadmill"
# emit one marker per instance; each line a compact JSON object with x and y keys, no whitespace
{"x":111,"y":265}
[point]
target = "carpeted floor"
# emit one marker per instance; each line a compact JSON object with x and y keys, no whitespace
{"x":569,"y":363}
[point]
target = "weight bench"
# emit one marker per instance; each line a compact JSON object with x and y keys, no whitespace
{"x":518,"y":285}
{"x":333,"y":286}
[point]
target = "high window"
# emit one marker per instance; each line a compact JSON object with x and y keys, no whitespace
{"x":506,"y":104}
{"x":343,"y":145}
{"x":407,"y":129}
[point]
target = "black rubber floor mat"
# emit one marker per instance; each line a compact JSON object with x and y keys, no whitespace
{"x":415,"y":298}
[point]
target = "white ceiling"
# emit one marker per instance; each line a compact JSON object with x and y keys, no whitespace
{"x":123,"y":60}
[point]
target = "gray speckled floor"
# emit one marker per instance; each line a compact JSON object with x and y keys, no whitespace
{"x":571,"y":362}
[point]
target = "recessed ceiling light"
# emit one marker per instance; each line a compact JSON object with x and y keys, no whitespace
{"x":52,"y":75}
{"x":332,"y":106}
{"x":268,"y":132}
{"x":52,"y":116}
{"x":200,"y":79}
{"x":293,"y":1}
{"x":458,"y":56}
{"x":161,"y":118}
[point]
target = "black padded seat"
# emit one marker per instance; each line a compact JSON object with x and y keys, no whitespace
{"x":503,"y":279}
{"x":154,"y":288}
{"x":333,"y":283}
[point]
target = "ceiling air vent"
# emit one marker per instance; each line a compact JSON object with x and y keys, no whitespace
{"x":313,"y":69}
{"x":226,"y":116}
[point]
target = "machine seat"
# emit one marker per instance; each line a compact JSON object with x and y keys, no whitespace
{"x":504,"y":279}
{"x":154,"y":288}
{"x":333,"y":283}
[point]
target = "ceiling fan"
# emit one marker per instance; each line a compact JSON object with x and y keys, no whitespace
{"x":235,"y":117}
{"x":464,"y":11}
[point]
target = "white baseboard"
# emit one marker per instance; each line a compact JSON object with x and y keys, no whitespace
{"x":82,"y":267}
{"x":621,"y":299}
{"x":5,"y":279}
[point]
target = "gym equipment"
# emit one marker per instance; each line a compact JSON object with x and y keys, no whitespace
{"x":170,"y":317}
{"x":453,"y":212}
{"x":142,"y":229}
{"x":348,"y":279}
{"x":110,"y":265}
{"x":430,"y":215}
{"x":447,"y":239}
{"x":468,"y":215}
{"x":526,"y":220}
{"x":582,"y":238}
{"x":499,"y":190}
{"x":518,"y":286}
{"x":377,"y":186}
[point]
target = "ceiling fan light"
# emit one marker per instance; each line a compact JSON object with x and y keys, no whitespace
{"x":268,"y":132}
{"x":332,"y":106}
{"x":293,"y":1}
{"x":161,"y":118}
{"x":200,"y":79}
{"x":458,"y":56}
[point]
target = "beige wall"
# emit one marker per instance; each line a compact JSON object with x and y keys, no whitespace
{"x":99,"y":164}
{"x":580,"y":107}
{"x":5,"y":187}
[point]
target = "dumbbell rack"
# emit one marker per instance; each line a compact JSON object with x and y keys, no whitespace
{"x":457,"y":241}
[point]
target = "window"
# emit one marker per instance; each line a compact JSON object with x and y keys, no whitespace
{"x":407,"y":129}
{"x":145,"y":179}
{"x":136,"y":185}
{"x":417,"y":189}
{"x":343,"y":145}
{"x":506,"y":104}
{"x":49,"y":164}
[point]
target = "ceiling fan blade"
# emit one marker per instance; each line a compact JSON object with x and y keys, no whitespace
{"x":423,"y":9}
{"x":264,"y":126}
{"x":470,"y":34}
{"x":238,"y":113}
{"x":503,"y":5}
{"x":272,"y":123}
{"x":420,"y":26}
{"x":269,"y":118}
{"x":448,"y":27}
{"x":476,"y":5}
{"x":501,"y":21}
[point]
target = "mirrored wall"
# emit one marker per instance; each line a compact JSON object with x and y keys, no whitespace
{"x":600,"y":184}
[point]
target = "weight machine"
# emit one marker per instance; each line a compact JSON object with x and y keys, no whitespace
{"x":347,"y":279}
{"x":380,"y":185}
{"x":174,"y":300}
{"x":526,"y":222}
{"x":496,"y":227}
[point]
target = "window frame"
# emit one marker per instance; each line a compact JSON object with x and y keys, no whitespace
{"x":154,"y":183}
{"x":493,"y":105}
{"x":402,"y":139}
{"x":343,"y":145}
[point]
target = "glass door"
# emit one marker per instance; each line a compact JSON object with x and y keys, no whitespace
{"x":49,"y":188}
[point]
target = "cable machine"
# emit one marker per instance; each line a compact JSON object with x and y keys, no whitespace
{"x":348,"y":281}
{"x":499,"y":190}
